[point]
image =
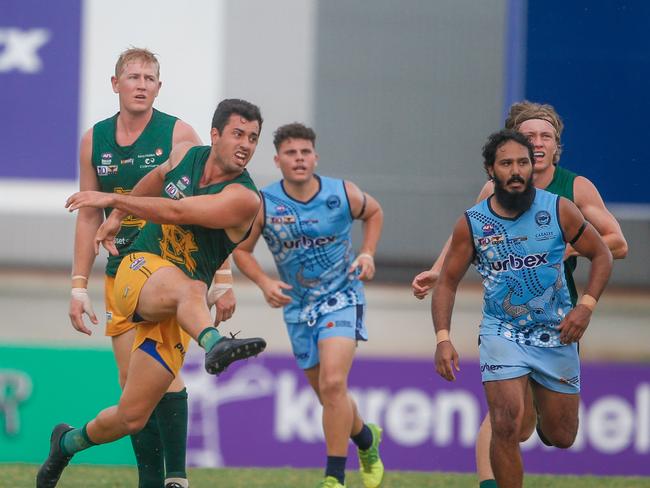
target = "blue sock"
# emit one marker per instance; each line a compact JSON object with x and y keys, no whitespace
{"x":75,"y":440}
{"x":363,"y":439}
{"x":336,"y":467}
{"x":208,"y":338}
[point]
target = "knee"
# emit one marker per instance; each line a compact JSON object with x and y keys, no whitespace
{"x":332,"y":387}
{"x":505,"y":424}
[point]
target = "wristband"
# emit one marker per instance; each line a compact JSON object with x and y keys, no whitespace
{"x":223,"y":272}
{"x":79,"y":277}
{"x":442,"y":336}
{"x":588,"y":301}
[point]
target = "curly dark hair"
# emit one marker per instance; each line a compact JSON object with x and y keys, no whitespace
{"x":293,"y":131}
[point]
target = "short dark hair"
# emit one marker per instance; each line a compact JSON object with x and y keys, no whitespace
{"x":498,"y":139}
{"x":293,"y":131}
{"x":231,"y":106}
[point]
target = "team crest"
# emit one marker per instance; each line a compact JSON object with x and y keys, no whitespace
{"x":333,"y":201}
{"x":542,"y":218}
{"x":158,"y":151}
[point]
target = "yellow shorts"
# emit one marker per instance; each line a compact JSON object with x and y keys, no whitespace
{"x":171,"y":341}
{"x":116,"y":323}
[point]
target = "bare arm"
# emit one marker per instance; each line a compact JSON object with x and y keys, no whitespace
{"x":457,"y":260}
{"x":184,"y":133}
{"x":88,"y":221}
{"x":365,"y":208}
{"x":247,"y":264}
{"x":591,"y":204}
{"x":424,"y":281}
{"x":592,"y":246}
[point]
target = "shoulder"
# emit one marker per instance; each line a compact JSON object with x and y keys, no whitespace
{"x":178,"y":153}
{"x":184,"y":132}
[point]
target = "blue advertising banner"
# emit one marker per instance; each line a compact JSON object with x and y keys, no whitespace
{"x":39,"y":88}
{"x":429,"y":424}
{"x":591,"y":60}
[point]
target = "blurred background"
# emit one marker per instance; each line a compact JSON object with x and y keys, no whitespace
{"x":402,"y":96}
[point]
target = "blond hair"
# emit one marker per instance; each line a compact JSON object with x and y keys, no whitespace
{"x":520,"y":112}
{"x":135,"y":53}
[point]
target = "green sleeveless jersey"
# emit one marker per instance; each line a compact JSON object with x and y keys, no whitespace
{"x":562,"y":184}
{"x":119,"y":168}
{"x":196,"y":250}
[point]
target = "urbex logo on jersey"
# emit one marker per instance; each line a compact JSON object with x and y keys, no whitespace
{"x":307,"y":242}
{"x":19,"y":49}
{"x":15,"y":388}
{"x":515,"y":262}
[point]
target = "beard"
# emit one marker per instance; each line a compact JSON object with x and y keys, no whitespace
{"x":517,"y":202}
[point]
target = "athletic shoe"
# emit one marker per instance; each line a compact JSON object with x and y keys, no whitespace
{"x":370,"y":465}
{"x":228,"y":350}
{"x":330,"y":482}
{"x":541,"y":435}
{"x":173,"y":484}
{"x":50,"y":471}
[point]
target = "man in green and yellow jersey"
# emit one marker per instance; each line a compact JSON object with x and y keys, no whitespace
{"x":198,"y":206}
{"x":542,"y":125}
{"x":114,"y":155}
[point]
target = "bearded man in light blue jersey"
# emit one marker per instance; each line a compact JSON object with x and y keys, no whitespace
{"x":306,"y":223}
{"x":529,"y":332}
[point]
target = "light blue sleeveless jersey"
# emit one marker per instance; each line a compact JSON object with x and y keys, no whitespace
{"x":311,"y":245}
{"x":520,"y":260}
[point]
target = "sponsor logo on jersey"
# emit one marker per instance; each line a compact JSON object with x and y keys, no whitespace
{"x":185,"y":180}
{"x":289,"y":219}
{"x":497,"y":239}
{"x":488,"y":229}
{"x":126,"y":161}
{"x":308,"y":242}
{"x":483,"y":241}
{"x":517,"y":239}
{"x":106,"y":170}
{"x":281,"y":209}
{"x":543,"y":218}
{"x":107,"y":155}
{"x":333,"y":201}
{"x":158,"y":151}
{"x":172,"y":190}
{"x":544,"y":236}
{"x":276,"y":220}
{"x":515,"y":263}
{"x":150,"y":155}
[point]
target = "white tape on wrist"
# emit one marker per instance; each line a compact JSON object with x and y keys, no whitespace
{"x":81,"y":295}
{"x":223,"y":272}
{"x":216,"y":291}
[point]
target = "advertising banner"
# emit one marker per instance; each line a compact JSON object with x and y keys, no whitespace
{"x":39,"y":95}
{"x":428,"y":424}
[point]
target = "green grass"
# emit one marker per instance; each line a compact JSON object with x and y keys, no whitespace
{"x":23,"y":475}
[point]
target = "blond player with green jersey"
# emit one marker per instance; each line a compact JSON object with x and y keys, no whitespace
{"x":115,"y":154}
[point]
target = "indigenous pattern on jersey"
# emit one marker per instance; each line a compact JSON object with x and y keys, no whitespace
{"x":311,"y":244}
{"x":197,"y":250}
{"x":562,"y":184}
{"x":119,"y":168}
{"x":520,"y":260}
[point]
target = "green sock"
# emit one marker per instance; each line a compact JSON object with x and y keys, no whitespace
{"x":208,"y":338}
{"x":75,"y":440}
{"x":488,"y":484}
{"x":171,"y":413}
{"x":148,"y":450}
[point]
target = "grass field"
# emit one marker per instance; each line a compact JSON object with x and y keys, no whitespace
{"x":23,"y":475}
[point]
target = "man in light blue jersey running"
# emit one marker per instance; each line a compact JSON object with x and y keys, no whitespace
{"x":529,"y":332}
{"x":306,"y":223}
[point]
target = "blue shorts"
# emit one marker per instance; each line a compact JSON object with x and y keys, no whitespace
{"x":346,"y":322}
{"x":554,"y":368}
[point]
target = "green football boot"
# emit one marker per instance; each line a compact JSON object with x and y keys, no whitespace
{"x":370,"y":465}
{"x":330,"y":482}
